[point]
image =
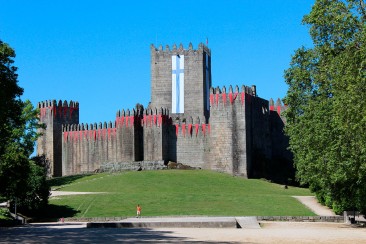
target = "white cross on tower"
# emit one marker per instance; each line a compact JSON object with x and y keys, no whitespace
{"x":178,"y":84}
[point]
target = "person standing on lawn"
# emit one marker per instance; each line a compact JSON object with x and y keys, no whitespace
{"x":138,"y":210}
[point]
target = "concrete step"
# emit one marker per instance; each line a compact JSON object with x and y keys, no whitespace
{"x":247,"y":223}
{"x":184,"y":222}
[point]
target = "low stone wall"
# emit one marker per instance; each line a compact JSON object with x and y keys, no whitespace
{"x":352,"y":217}
{"x":163,"y":224}
{"x":125,"y":166}
{"x":95,"y":219}
{"x":337,"y":219}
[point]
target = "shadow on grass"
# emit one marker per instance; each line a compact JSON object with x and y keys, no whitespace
{"x":55,"y":212}
{"x":59,"y":181}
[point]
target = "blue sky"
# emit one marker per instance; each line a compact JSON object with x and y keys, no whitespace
{"x":98,"y":52}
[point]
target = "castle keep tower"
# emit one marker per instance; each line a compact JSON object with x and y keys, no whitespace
{"x":54,"y":115}
{"x":181,"y":79}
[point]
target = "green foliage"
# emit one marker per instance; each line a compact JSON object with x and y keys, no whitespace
{"x":37,"y":190}
{"x":14,"y":171}
{"x":4,"y":214}
{"x":10,"y":92}
{"x":176,"y":192}
{"x":20,"y":178}
{"x":326,"y":119}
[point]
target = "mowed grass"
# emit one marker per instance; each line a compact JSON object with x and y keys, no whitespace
{"x":176,"y":193}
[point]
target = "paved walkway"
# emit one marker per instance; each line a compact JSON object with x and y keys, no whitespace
{"x":64,"y":193}
{"x":180,"y":222}
{"x":312,"y":203}
{"x":271,"y":232}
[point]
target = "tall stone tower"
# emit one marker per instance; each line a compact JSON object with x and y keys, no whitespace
{"x":54,"y":115}
{"x":181,"y":80}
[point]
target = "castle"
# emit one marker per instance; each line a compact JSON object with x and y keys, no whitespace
{"x":188,"y":121}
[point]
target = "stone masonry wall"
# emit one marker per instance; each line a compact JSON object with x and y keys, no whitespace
{"x":258,"y":126}
{"x":154,"y":124}
{"x":228,"y":138}
{"x":224,"y":130}
{"x":86,"y":147}
{"x":192,"y":142}
{"x":54,"y":115}
{"x":195,"y":87}
{"x":236,"y":141}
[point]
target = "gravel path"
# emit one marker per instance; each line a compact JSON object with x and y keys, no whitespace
{"x":312,"y":203}
{"x":271,"y":232}
{"x":277,"y":232}
{"x":64,"y":193}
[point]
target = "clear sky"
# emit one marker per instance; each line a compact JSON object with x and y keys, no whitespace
{"x":98,"y":52}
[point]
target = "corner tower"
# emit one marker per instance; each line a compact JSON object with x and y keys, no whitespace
{"x":181,"y":80}
{"x":53,"y":115}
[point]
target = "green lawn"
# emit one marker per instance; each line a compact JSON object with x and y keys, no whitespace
{"x":174,"y":192}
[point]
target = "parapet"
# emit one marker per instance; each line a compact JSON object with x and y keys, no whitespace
{"x":220,"y":97}
{"x":142,"y":117}
{"x":78,"y":132}
{"x":53,"y":103}
{"x":126,"y":118}
{"x":180,"y":49}
{"x":189,"y":127}
{"x":91,"y":126}
{"x":279,"y":107}
{"x":58,"y":109}
{"x":155,"y":117}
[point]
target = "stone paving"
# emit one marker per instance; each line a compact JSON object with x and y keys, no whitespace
{"x":180,"y":222}
{"x":312,"y":203}
{"x":253,"y":232}
{"x":271,"y":232}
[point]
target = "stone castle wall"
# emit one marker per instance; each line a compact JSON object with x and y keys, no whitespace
{"x":155,"y":124}
{"x":236,"y":137}
{"x":192,"y":141}
{"x":223,"y":145}
{"x":85,"y":147}
{"x":238,"y":118}
{"x":54,"y":115}
{"x":227,"y":130}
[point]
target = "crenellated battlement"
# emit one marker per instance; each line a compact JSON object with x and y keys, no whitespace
{"x":58,"y":109}
{"x":279,"y":107}
{"x":223,"y":97}
{"x":145,"y":117}
{"x":91,"y":126}
{"x":180,"y":49}
{"x":93,"y":131}
{"x":155,"y":117}
{"x":53,"y":103}
{"x":191,"y":127}
{"x":127,"y":118}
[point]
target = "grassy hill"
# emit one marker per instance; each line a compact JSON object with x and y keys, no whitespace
{"x":172,"y":193}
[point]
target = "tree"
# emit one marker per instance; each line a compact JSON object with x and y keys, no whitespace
{"x":326,"y":119}
{"x":10,"y":92}
{"x":37,"y":189}
{"x":20,"y":178}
